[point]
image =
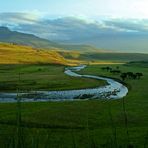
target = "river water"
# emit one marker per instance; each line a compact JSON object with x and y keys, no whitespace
{"x":113,"y":90}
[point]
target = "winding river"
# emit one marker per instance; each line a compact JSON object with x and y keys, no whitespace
{"x":113,"y":90}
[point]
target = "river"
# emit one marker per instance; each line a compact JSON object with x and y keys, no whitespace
{"x":113,"y":90}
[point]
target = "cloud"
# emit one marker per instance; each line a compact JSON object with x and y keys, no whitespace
{"x":132,"y":25}
{"x":72,"y":28}
{"x":18,"y":18}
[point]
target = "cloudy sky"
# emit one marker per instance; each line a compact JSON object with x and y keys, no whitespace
{"x":79,"y":20}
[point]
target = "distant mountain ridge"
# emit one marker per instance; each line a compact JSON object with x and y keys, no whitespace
{"x":8,"y":36}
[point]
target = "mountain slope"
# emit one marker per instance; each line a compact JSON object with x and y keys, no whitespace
{"x":104,"y":56}
{"x":15,"y":37}
{"x":15,"y":54}
{"x":9,"y":36}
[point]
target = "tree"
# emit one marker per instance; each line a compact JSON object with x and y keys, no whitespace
{"x":115,"y":71}
{"x":106,"y":68}
{"x":117,"y":67}
{"x":123,"y":76}
{"x":130,"y":75}
{"x":139,"y":75}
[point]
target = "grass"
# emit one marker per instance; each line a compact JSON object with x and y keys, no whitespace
{"x":19,"y":54}
{"x":104,"y":56}
{"x":112,"y":123}
{"x":41,"y":77}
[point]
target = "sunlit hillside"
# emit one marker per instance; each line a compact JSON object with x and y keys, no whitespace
{"x":14,"y":54}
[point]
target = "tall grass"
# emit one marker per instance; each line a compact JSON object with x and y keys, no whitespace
{"x":19,"y":138}
{"x":113,"y":126}
{"x":74,"y":140}
{"x":126,"y":122}
{"x":19,"y":141}
{"x":146,"y":140}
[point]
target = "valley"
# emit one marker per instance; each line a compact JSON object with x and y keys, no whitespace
{"x":97,"y":122}
{"x":87,"y":122}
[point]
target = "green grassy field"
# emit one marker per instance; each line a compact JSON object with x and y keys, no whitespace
{"x":40,"y":77}
{"x":82,"y":124}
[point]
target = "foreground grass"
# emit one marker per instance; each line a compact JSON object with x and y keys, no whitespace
{"x":114,"y":123}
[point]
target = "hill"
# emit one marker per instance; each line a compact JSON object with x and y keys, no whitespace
{"x":56,"y":53}
{"x":138,"y":63}
{"x":104,"y":56}
{"x":115,"y":56}
{"x":8,"y":36}
{"x":15,"y":37}
{"x":16,"y":54}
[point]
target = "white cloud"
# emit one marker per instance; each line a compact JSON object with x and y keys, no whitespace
{"x":18,"y":18}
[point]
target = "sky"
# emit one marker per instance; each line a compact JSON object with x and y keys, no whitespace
{"x":80,"y":21}
{"x":83,"y":8}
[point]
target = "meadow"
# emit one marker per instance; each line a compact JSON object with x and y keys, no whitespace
{"x":41,"y":77}
{"x":82,"y":124}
